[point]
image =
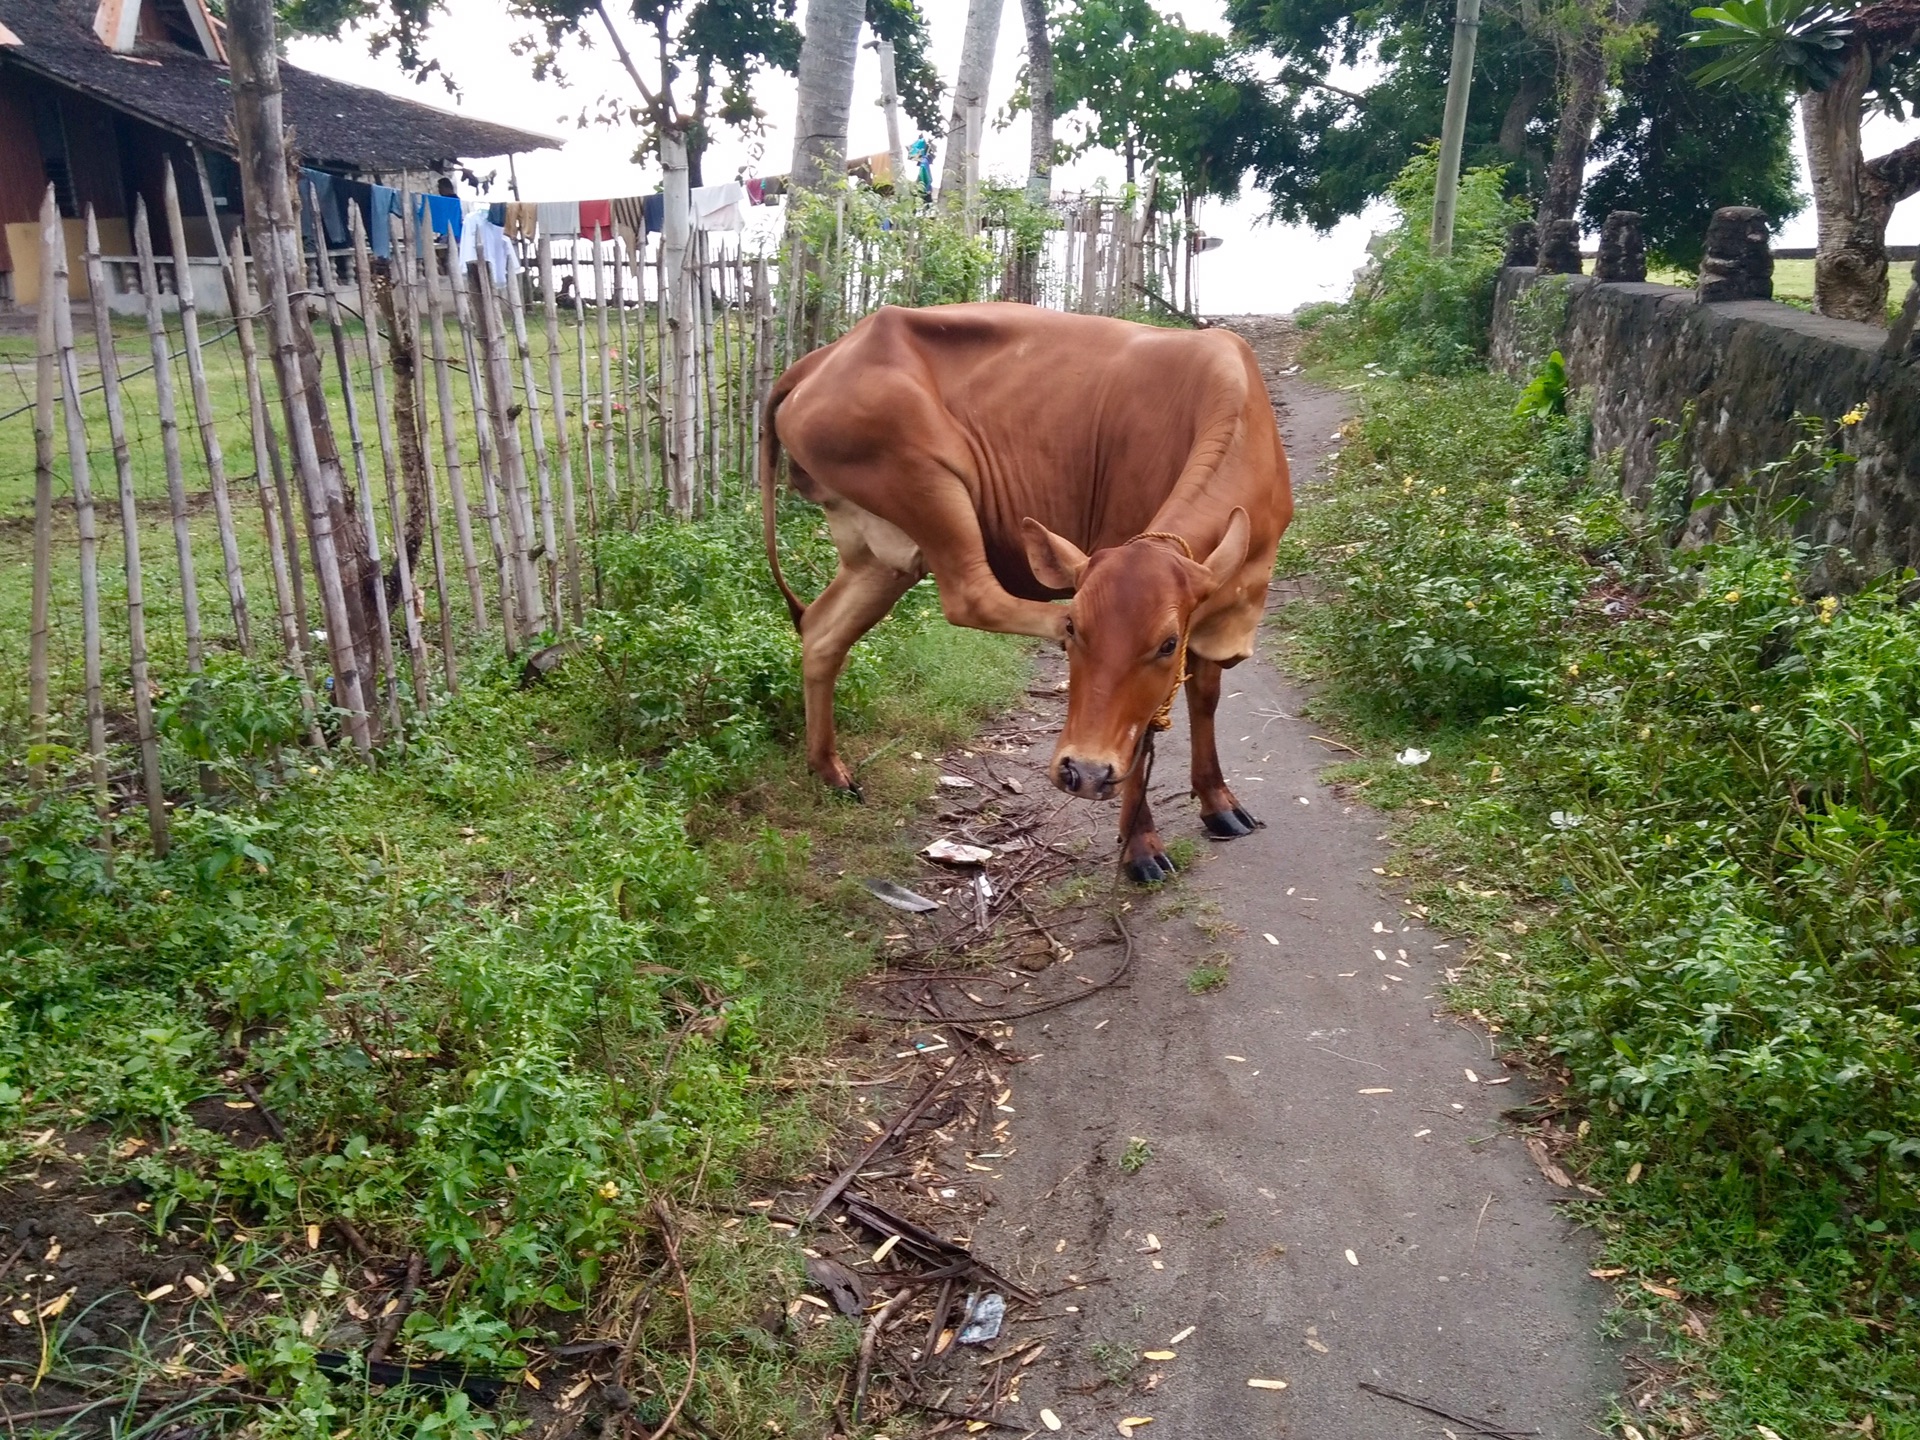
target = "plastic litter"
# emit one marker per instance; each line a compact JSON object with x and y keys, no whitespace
{"x":954,"y":852}
{"x":985,"y":1314}
{"x":899,"y":896}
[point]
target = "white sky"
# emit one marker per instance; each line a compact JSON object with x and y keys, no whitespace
{"x":1259,"y":268}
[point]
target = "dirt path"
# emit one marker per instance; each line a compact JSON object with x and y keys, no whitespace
{"x":1333,"y":1195}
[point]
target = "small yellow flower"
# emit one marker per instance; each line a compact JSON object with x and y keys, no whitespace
{"x":1733,"y":597}
{"x":1854,"y":416}
{"x":1829,"y":607}
{"x":1439,"y":489}
{"x":1756,"y":709}
{"x":609,"y":1191}
{"x":1646,"y":732}
{"x":1573,"y":671}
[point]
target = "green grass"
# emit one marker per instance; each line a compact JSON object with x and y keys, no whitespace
{"x":1135,"y":1157}
{"x":1793,"y":283}
{"x":1672,"y":804}
{"x":573,"y":948}
{"x":1205,"y":979}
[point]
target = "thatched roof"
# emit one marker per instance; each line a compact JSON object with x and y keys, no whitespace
{"x":333,"y":124}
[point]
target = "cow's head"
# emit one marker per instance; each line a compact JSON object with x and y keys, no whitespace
{"x":1130,"y":611}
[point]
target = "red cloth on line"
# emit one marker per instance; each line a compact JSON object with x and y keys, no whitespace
{"x":596,"y":218}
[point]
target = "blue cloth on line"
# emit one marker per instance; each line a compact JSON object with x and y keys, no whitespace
{"x":317,"y":193}
{"x":655,"y":207}
{"x":444,"y":212}
{"x":383,"y":201}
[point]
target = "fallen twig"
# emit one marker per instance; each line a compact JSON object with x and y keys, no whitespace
{"x":686,"y":1297}
{"x":1466,"y":1422}
{"x":1338,"y":745}
{"x":864,"y":1367}
{"x":356,"y":1242}
{"x":273,"y":1120}
{"x":390,"y":1327}
{"x":885,"y":1138}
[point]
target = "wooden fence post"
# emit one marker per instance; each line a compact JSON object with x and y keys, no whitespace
{"x":449,"y":428}
{"x":531,"y":612}
{"x":383,"y":420}
{"x":557,"y":389}
{"x":336,"y":325}
{"x":46,"y":388}
{"x":203,"y":415}
{"x":537,"y":428}
{"x":405,"y":253}
{"x":462,"y":281}
{"x":282,"y":551}
{"x":611,"y":475}
{"x":162,"y":351}
{"x":130,"y":520}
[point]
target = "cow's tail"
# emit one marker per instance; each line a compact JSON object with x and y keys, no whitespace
{"x":769,"y":482}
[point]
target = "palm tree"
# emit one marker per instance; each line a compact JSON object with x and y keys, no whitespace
{"x":1837,"y":61}
{"x":827,"y":53}
{"x":1039,"y":100}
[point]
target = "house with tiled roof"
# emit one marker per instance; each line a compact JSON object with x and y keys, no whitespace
{"x":97,"y":95}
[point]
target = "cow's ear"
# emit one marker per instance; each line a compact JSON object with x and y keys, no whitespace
{"x":1231,"y":553}
{"x":1057,"y":564}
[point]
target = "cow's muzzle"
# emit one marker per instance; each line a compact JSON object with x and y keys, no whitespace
{"x":1089,"y":779}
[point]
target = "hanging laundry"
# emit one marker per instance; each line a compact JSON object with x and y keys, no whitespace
{"x":473,"y":216}
{"x":383,"y":201}
{"x":596,"y":219}
{"x":317,"y":193}
{"x":656,"y":211}
{"x":559,"y":218}
{"x":719,"y":207}
{"x":503,"y":261}
{"x":443,"y":212}
{"x":630,"y":221}
{"x":772,"y":187}
{"x":497,"y":214}
{"x":522,"y":222}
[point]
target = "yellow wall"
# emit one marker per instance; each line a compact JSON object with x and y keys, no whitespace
{"x":23,"y":241}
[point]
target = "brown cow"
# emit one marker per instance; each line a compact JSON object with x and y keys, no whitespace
{"x":1023,"y":457}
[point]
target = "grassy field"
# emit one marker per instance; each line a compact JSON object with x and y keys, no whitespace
{"x":1671,"y":803}
{"x":1793,"y":283}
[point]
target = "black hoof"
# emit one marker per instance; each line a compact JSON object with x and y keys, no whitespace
{"x":1152,"y":870}
{"x":850,"y":792}
{"x":1230,"y":824}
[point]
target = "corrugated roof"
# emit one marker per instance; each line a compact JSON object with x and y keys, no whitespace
{"x":332,"y":123}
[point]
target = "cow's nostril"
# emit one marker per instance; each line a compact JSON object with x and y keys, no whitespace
{"x":1068,"y":776}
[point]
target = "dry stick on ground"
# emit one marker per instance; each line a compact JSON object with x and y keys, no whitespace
{"x":879,"y":1143}
{"x":1466,"y":1422}
{"x":557,"y":390}
{"x":356,"y":1242}
{"x":129,"y":529}
{"x":410,"y":607}
{"x":390,"y":1327}
{"x":283,"y":557}
{"x":450,"y":435}
{"x":401,"y":264}
{"x":161,"y":347}
{"x":536,"y":423}
{"x":486,"y":442}
{"x":204,"y":417}
{"x":337,"y":327}
{"x":881,"y":1319}
{"x":46,"y":387}
{"x":686,"y":1299}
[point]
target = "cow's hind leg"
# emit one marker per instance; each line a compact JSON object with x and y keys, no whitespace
{"x":1142,"y":855}
{"x":1223,"y":815}
{"x":862,"y":592}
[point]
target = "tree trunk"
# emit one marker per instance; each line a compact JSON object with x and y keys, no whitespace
{"x":826,"y":91}
{"x":677,"y":381}
{"x":969,"y":90}
{"x":1850,"y":268}
{"x":1039,"y":101}
{"x":1586,"y":92}
{"x":338,"y":544}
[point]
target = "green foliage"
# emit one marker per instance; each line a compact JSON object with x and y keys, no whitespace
{"x":501,"y":988}
{"x":1135,"y":1157}
{"x":1205,"y":979}
{"x":1421,"y":312}
{"x":1676,"y":152}
{"x":1799,"y":43}
{"x":1147,"y":87}
{"x":1546,"y":394}
{"x":1704,"y":788}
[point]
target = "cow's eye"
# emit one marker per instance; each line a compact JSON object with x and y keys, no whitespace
{"x":1169,"y":645}
{"x":1069,"y":625}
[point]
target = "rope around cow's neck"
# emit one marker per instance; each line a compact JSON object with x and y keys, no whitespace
{"x":1163,"y":718}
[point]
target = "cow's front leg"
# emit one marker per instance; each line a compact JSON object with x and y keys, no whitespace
{"x":1141,"y":853}
{"x":1220,"y":812}
{"x":862,"y":592}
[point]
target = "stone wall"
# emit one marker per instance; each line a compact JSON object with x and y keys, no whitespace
{"x":1642,"y":352}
